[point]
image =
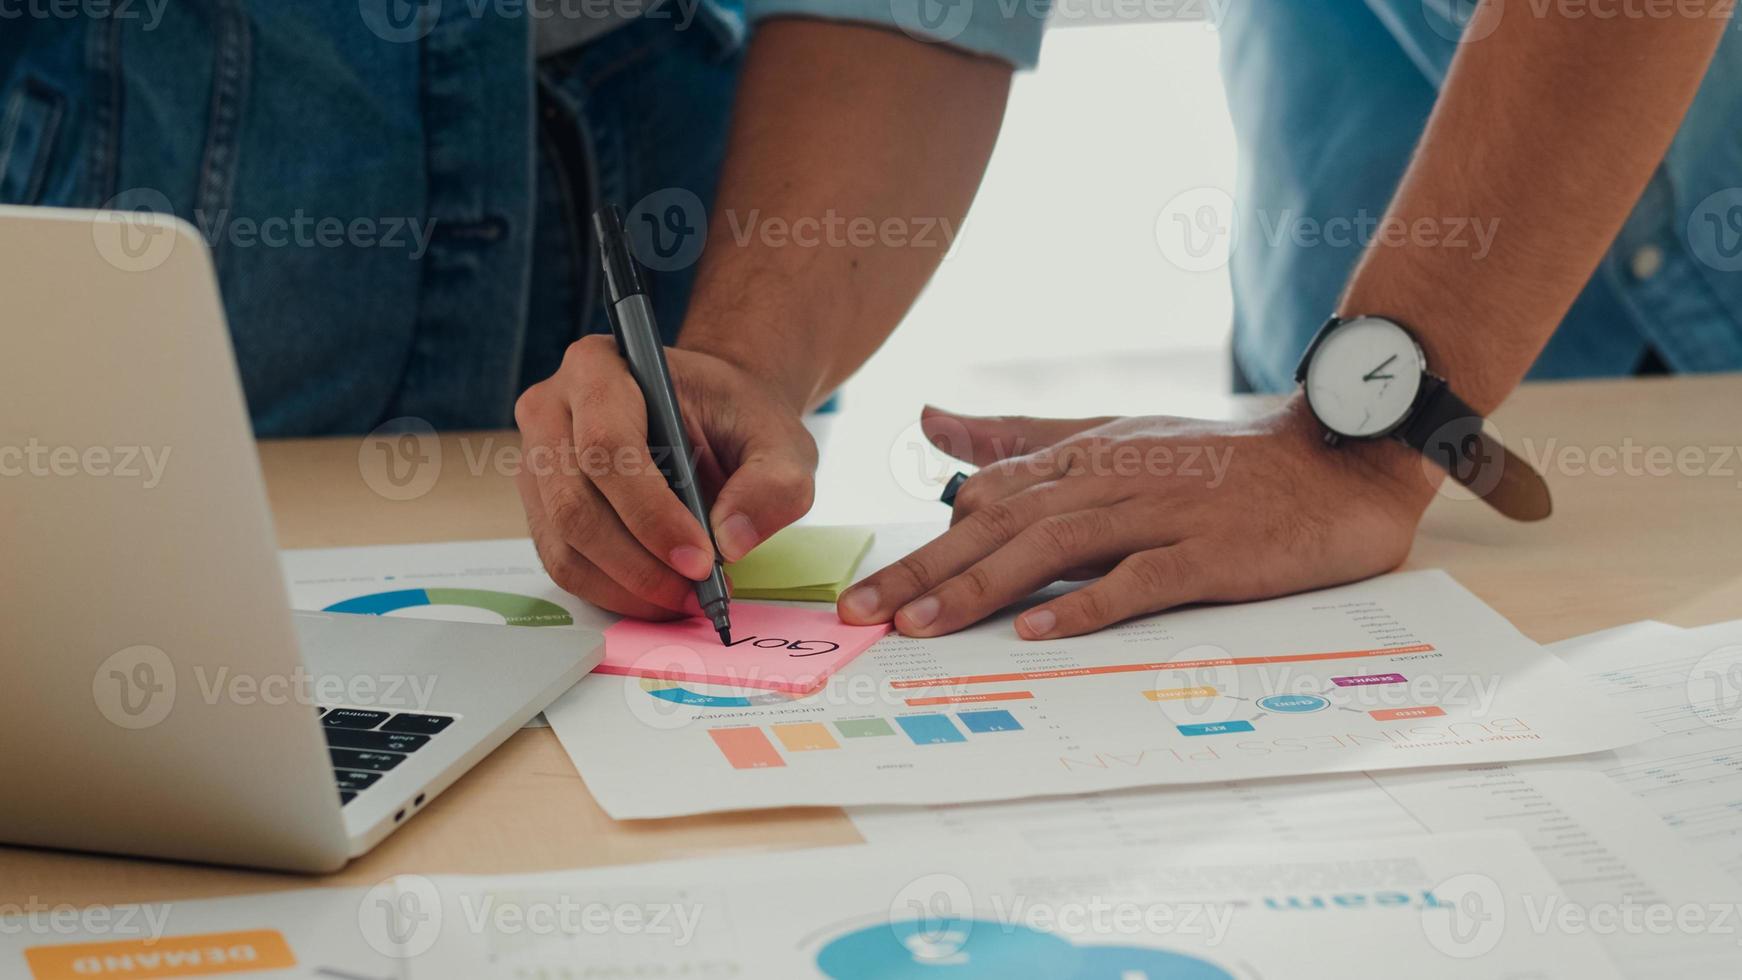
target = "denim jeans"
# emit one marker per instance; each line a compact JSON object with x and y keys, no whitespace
{"x":397,"y":219}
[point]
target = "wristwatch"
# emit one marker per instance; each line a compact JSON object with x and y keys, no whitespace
{"x":1366,"y":377}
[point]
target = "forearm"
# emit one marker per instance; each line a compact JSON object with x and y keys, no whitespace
{"x":855,"y":152}
{"x":1545,"y":134}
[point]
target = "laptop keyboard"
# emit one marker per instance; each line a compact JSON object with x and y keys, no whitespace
{"x":365,"y":743}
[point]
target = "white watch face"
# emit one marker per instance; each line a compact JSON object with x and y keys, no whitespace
{"x":1364,"y":376}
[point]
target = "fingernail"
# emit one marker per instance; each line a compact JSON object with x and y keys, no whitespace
{"x":861,"y":602}
{"x":1039,"y":622}
{"x":919,"y":614}
{"x":736,"y":536}
{"x":692,"y":563}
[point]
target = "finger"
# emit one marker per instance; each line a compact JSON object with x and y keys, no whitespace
{"x":1004,"y":478}
{"x":612,"y":435}
{"x":1083,"y":573}
{"x":581,"y":517}
{"x":570,"y":510}
{"x":575,"y":574}
{"x":876,"y":599}
{"x":773,"y":484}
{"x":1036,"y":557}
{"x":1146,"y":582}
{"x":986,"y":439}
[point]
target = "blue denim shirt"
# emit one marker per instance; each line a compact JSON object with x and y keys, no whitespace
{"x":1329,"y":99}
{"x":394,"y":227}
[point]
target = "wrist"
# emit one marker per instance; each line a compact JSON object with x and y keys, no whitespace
{"x":790,"y":375}
{"x":1395,"y":469}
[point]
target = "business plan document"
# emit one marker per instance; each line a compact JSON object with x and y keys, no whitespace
{"x":1427,"y":908}
{"x":1622,"y":869}
{"x":1402,"y":671}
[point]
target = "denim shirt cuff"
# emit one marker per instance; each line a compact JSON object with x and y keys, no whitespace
{"x":1009,"y":30}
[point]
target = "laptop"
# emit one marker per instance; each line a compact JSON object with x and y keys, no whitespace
{"x":158,"y":696}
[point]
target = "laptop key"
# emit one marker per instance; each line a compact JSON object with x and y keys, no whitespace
{"x":352,"y":781}
{"x":345,"y":738}
{"x":346,"y":797}
{"x":417,"y":724}
{"x":353,"y":718}
{"x":370,"y":761}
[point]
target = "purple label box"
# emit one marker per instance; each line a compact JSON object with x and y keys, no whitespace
{"x":1363,"y":680}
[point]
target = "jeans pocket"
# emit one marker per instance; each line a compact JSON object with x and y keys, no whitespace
{"x":29,"y":123}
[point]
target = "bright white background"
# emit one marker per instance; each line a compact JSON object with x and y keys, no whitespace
{"x":1057,"y":299}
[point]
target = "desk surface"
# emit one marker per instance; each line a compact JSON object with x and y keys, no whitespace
{"x":1647,"y":478}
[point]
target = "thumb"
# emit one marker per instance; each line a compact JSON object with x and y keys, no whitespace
{"x":773,"y":485}
{"x":986,"y":439}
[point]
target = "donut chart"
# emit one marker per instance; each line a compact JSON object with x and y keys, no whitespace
{"x":515,"y":610}
{"x":676,"y":693}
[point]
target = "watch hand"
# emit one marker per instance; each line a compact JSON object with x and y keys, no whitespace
{"x":1374,"y":374}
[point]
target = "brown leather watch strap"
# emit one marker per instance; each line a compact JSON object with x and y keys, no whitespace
{"x":1451,"y":433}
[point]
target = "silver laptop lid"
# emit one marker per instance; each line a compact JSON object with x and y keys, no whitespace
{"x":140,"y":576}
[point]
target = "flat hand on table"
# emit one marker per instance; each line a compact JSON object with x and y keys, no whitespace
{"x":1160,"y":511}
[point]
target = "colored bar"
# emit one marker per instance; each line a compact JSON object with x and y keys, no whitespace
{"x":805,"y":736}
{"x":863,"y":728}
{"x":930,"y":729}
{"x":1180,"y":693}
{"x":746,"y":748}
{"x":1215,"y":728}
{"x":1363,"y":680}
{"x":980,"y":722}
{"x":1396,"y":714}
{"x":381,"y":603}
{"x":205,"y":955}
{"x":1045,"y":675}
{"x":972,"y":698}
{"x":517,"y":610}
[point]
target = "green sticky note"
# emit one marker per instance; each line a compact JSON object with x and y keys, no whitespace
{"x":808,"y":564}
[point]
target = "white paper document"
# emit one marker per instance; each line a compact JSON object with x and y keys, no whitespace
{"x":1449,"y":907}
{"x":1401,"y":671}
{"x":1620,"y":867}
{"x":1687,"y":684}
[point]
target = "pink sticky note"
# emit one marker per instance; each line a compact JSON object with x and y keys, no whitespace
{"x":776,"y":648}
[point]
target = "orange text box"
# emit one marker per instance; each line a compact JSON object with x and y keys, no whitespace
{"x":1397,"y":714}
{"x":171,"y":956}
{"x":1180,"y":693}
{"x":971,"y":698}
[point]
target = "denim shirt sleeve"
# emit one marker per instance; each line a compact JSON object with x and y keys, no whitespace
{"x":1008,"y":30}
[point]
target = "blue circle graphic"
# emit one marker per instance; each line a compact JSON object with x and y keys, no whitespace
{"x":977,"y":949}
{"x":1293,"y":704}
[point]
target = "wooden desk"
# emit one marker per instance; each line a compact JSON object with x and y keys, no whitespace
{"x":1655,"y":532}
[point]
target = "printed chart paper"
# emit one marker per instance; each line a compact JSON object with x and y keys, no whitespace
{"x":1607,"y":849}
{"x":499,"y":582}
{"x":1402,"y":671}
{"x":775,"y":648}
{"x":1427,"y":908}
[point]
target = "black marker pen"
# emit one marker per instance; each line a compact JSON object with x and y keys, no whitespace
{"x":638,"y":341}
